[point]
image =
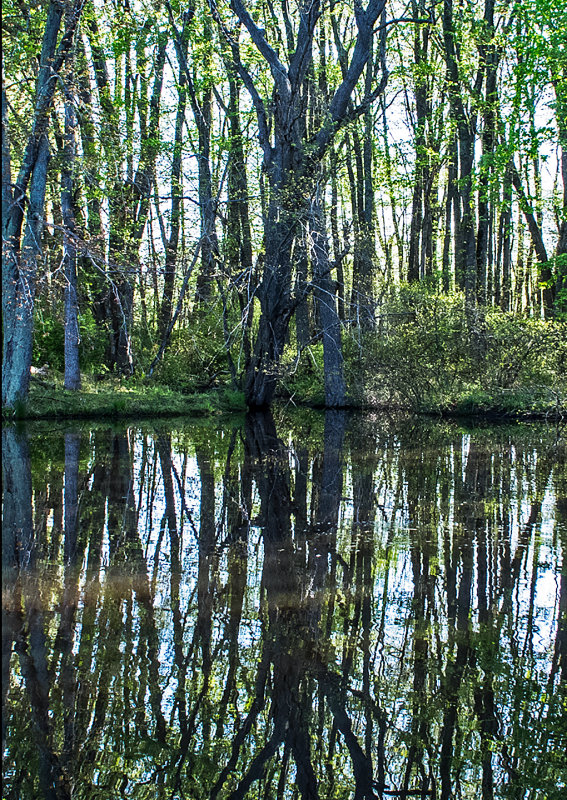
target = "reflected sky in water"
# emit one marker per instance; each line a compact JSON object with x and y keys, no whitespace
{"x":307,"y":606}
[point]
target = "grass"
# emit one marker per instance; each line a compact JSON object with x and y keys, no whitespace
{"x":115,"y":399}
{"x":529,"y":402}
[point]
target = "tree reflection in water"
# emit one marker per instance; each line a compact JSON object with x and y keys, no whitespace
{"x":358,"y":609}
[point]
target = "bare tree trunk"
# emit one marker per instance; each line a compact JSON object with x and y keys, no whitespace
{"x":416,"y":257}
{"x":362,"y":303}
{"x":560,"y":288}
{"x":239,"y":260}
{"x":335,"y":392}
{"x":334,"y":212}
{"x":20,"y":258}
{"x":20,"y":288}
{"x":202,"y":112}
{"x":302,"y":333}
{"x":491,"y":58}
{"x":504,"y":247}
{"x":450,"y":201}
{"x":465,"y":249}
{"x":171,"y":244}
{"x":72,"y":367}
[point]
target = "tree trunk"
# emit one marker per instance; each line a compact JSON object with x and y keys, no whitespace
{"x":560,"y":288}
{"x":450,"y":202}
{"x":490,"y":56}
{"x":362,"y":303}
{"x":334,"y":214}
{"x":274,"y":294}
{"x":20,"y":259}
{"x":202,"y":111}
{"x":465,"y":248}
{"x":545,"y":273}
{"x":416,"y":256}
{"x":239,"y":259}
{"x":19,"y":304}
{"x":72,"y":368}
{"x":504,"y":246}
{"x":302,"y":332}
{"x":171,"y":243}
{"x":330,"y":323}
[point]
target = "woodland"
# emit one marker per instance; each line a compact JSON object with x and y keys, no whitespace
{"x":221,"y":205}
{"x":342,"y":204}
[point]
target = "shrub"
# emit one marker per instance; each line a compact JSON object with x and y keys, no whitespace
{"x":427,"y":355}
{"x":48,"y":341}
{"x":92,"y":344}
{"x":195,"y":358}
{"x":302,"y":378}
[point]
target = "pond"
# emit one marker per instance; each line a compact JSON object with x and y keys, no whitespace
{"x":305,"y":605}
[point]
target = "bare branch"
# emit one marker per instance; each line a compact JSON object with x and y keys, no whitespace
{"x":278,"y":70}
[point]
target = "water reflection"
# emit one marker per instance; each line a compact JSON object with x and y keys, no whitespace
{"x":344,"y":608}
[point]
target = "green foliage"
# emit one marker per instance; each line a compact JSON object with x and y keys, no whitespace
{"x":195,"y":359}
{"x":524,"y":351}
{"x":232,"y":400}
{"x":303,"y":378}
{"x":92,"y":344}
{"x":49,"y":341}
{"x":425,"y":357}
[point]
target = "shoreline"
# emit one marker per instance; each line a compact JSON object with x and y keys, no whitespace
{"x":160,"y":402}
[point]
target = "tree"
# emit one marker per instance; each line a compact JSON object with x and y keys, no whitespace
{"x":68,"y":149}
{"x":291,"y":160}
{"x":23,"y":205}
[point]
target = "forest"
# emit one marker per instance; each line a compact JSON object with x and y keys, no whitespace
{"x":348,"y":219}
{"x":343,"y":204}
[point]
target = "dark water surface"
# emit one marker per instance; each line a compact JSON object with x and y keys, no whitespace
{"x":317,"y":606}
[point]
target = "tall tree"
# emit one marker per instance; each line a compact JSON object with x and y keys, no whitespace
{"x":69,"y":215}
{"x":290,"y":163}
{"x":464,"y":120}
{"x":129,"y":187}
{"x":23,"y":205}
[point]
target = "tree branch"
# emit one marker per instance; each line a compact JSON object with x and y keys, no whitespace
{"x":278,"y":70}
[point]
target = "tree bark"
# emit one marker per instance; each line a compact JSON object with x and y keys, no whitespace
{"x":20,"y":258}
{"x":72,"y":338}
{"x":335,"y":391}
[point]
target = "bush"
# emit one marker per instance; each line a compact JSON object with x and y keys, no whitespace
{"x":92,"y":346}
{"x":427,"y":355}
{"x":302,"y":378}
{"x":48,"y":342}
{"x":196,"y":358}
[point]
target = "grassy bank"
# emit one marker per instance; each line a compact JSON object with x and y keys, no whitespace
{"x":115,"y":399}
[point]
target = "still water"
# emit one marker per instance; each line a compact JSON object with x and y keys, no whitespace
{"x":309,"y":606}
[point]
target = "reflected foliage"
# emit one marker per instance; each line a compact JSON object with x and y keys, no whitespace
{"x":318,"y":607}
